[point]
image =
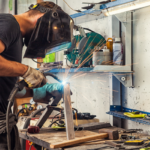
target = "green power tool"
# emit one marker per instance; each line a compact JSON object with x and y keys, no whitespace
{"x":81,"y":51}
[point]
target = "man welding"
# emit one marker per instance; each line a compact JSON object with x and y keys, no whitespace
{"x":44,"y":26}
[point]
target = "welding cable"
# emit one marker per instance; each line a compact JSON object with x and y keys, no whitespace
{"x":18,"y":87}
{"x":11,"y":97}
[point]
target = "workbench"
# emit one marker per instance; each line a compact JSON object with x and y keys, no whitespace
{"x":49,"y":136}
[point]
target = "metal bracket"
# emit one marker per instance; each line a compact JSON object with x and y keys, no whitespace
{"x":122,"y":17}
{"x":124,"y":78}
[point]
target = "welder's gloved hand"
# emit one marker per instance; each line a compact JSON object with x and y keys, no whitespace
{"x":43,"y":94}
{"x":34,"y":78}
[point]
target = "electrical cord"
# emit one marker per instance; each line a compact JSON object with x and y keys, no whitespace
{"x":88,"y":29}
{"x":36,"y":61}
{"x":54,"y":122}
{"x":20,"y":111}
{"x":60,"y":117}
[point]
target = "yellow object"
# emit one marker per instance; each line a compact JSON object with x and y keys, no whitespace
{"x":76,"y":119}
{"x":29,"y":84}
{"x":148,"y":148}
{"x":31,"y":143}
{"x":109,"y":44}
{"x":135,"y":141}
{"x":34,"y":6}
{"x":133,"y":115}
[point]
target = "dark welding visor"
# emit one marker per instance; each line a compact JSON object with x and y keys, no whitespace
{"x":54,"y":28}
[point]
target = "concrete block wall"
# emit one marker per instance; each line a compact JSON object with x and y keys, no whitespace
{"x":136,"y":98}
{"x":91,"y":91}
{"x":139,"y":96}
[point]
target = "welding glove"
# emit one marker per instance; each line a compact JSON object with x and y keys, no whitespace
{"x":43,"y":94}
{"x":34,"y":78}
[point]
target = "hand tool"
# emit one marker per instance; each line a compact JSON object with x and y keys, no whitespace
{"x":33,"y":129}
{"x":134,"y":115}
{"x":113,"y":134}
{"x":134,"y":142}
{"x":131,"y":130}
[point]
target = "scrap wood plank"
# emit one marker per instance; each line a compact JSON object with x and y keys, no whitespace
{"x":79,"y":140}
{"x":54,"y":136}
{"x":68,"y":113}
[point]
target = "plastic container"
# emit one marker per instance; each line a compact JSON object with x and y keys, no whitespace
{"x":109,"y":44}
{"x":49,"y":58}
{"x":102,"y":58}
{"x":117,"y":52}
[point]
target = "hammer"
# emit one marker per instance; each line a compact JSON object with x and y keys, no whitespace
{"x":112,"y":133}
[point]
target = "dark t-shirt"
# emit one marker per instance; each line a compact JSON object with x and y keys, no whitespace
{"x":10,"y":35}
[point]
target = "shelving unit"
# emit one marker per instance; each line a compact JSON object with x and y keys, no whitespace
{"x":118,"y":111}
{"x":118,"y":74}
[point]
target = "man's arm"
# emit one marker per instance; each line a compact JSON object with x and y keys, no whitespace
{"x":10,"y":68}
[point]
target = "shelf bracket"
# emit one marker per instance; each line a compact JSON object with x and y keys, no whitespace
{"x":124,"y":78}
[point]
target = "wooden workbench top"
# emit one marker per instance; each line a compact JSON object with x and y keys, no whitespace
{"x":45,"y":138}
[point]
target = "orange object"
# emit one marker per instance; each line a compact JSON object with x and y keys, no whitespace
{"x":76,"y":119}
{"x":109,"y":44}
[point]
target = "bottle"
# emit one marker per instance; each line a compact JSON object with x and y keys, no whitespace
{"x":109,"y":44}
{"x":117,"y":52}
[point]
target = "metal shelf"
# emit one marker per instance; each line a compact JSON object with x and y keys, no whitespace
{"x":99,"y":68}
{"x":120,"y":115}
{"x":104,"y":6}
{"x":116,"y":112}
{"x":85,"y":16}
{"x":71,"y":70}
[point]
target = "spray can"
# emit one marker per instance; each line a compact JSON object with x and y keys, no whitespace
{"x":117,"y":52}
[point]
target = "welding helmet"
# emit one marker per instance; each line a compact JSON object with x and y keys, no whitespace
{"x":54,"y":28}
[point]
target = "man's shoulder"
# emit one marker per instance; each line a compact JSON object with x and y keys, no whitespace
{"x":9,"y":20}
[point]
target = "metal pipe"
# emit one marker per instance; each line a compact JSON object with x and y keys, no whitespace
{"x":16,"y":7}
